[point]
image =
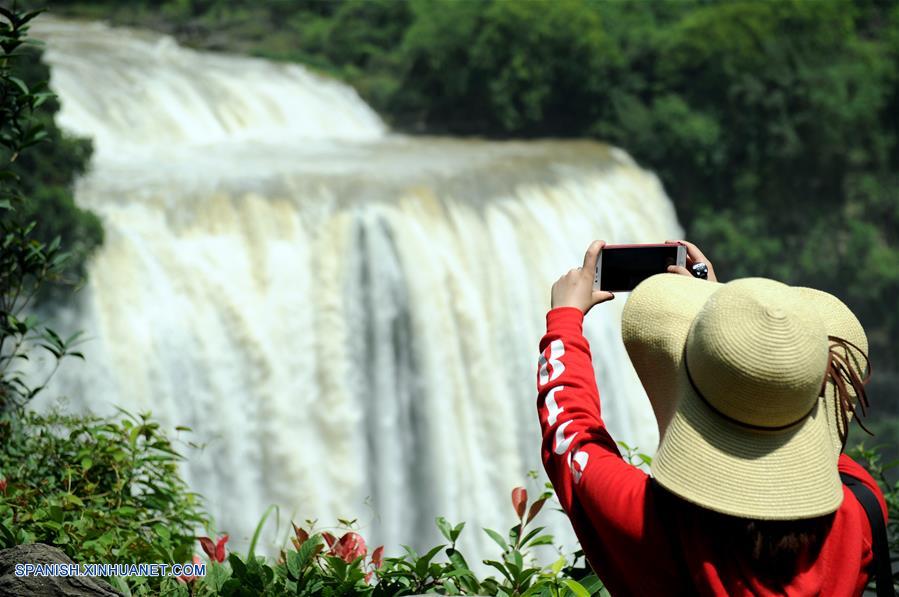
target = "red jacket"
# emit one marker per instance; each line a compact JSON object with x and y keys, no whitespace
{"x":614,"y":507}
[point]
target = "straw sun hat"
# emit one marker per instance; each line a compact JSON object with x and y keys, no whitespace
{"x":735,"y":373}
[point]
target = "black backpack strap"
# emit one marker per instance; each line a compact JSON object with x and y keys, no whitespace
{"x":882,"y":568}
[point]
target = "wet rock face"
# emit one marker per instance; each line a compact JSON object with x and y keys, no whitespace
{"x":46,"y":586}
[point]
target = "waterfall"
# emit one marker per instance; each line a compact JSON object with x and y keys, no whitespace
{"x":347,"y":318}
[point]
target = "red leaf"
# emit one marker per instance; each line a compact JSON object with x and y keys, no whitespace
{"x":535,"y":508}
{"x":350,"y":547}
{"x":329,"y":538}
{"x":302,"y":535}
{"x":377,"y":557}
{"x":189,"y":578}
{"x":3,"y":484}
{"x":519,"y":500}
{"x":208,"y":546}
{"x":220,"y":549}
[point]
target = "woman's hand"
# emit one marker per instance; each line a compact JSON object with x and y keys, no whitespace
{"x":575,"y":289}
{"x":694,"y":256}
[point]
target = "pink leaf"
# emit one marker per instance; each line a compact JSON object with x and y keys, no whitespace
{"x":535,"y":508}
{"x":350,"y":547}
{"x":302,"y":535}
{"x":189,"y":578}
{"x":519,"y":500}
{"x":208,"y":546}
{"x":220,"y":549}
{"x":377,"y":556}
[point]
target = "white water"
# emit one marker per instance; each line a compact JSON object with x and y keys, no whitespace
{"x":348,"y":319}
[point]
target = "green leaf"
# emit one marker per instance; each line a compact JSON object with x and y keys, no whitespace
{"x":7,"y":539}
{"x":238,"y":568}
{"x":162,"y":531}
{"x":216,"y":575}
{"x":457,"y":530}
{"x":501,"y":567}
{"x":515,"y":558}
{"x":421,"y":566}
{"x":19,"y":83}
{"x":444,"y":527}
{"x":498,"y":538}
{"x":576,"y":588}
{"x":541,"y":540}
{"x":252,"y":549}
{"x":73,"y":499}
{"x":592,"y":583}
{"x":531,"y":534}
{"x":307,"y":550}
{"x":456,"y":559}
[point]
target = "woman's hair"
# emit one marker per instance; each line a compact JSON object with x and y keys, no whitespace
{"x":774,"y":550}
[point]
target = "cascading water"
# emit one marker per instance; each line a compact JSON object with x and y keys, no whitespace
{"x":348,"y":319}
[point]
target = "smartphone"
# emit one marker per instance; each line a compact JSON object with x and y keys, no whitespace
{"x":621,"y":267}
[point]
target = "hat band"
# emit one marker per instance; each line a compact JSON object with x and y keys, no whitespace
{"x":738,"y":421}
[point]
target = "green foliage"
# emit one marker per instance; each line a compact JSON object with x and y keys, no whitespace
{"x":871,"y":459}
{"x":515,"y":67}
{"x":320,"y":564}
{"x":101,"y":490}
{"x":26,"y":262}
{"x":36,"y":185}
{"x":46,"y":174}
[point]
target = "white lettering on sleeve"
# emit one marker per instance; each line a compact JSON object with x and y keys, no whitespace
{"x":552,"y":407}
{"x":562,"y":442}
{"x":578,"y":464}
{"x":556,"y":351}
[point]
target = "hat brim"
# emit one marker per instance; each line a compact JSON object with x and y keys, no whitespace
{"x":655,"y":323}
{"x":766,"y":475}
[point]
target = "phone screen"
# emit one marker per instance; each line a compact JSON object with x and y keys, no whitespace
{"x":623,"y":268}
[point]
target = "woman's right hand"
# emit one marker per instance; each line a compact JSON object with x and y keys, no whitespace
{"x":694,"y":256}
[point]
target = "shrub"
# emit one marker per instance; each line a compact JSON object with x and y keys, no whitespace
{"x":321,"y":564}
{"x":26,"y":262}
{"x":36,"y":185}
{"x":102,"y":490}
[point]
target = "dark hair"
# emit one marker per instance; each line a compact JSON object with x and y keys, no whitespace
{"x":774,"y":550}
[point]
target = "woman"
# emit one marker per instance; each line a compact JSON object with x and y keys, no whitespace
{"x":745,"y":497}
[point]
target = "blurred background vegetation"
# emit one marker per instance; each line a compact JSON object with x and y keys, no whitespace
{"x":774,"y":126}
{"x":45,"y":176}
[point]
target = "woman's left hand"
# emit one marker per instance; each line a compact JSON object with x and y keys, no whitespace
{"x":575,"y":289}
{"x":694,"y":256}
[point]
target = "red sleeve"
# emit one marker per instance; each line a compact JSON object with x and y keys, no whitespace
{"x":851,"y":467}
{"x":605,"y":497}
